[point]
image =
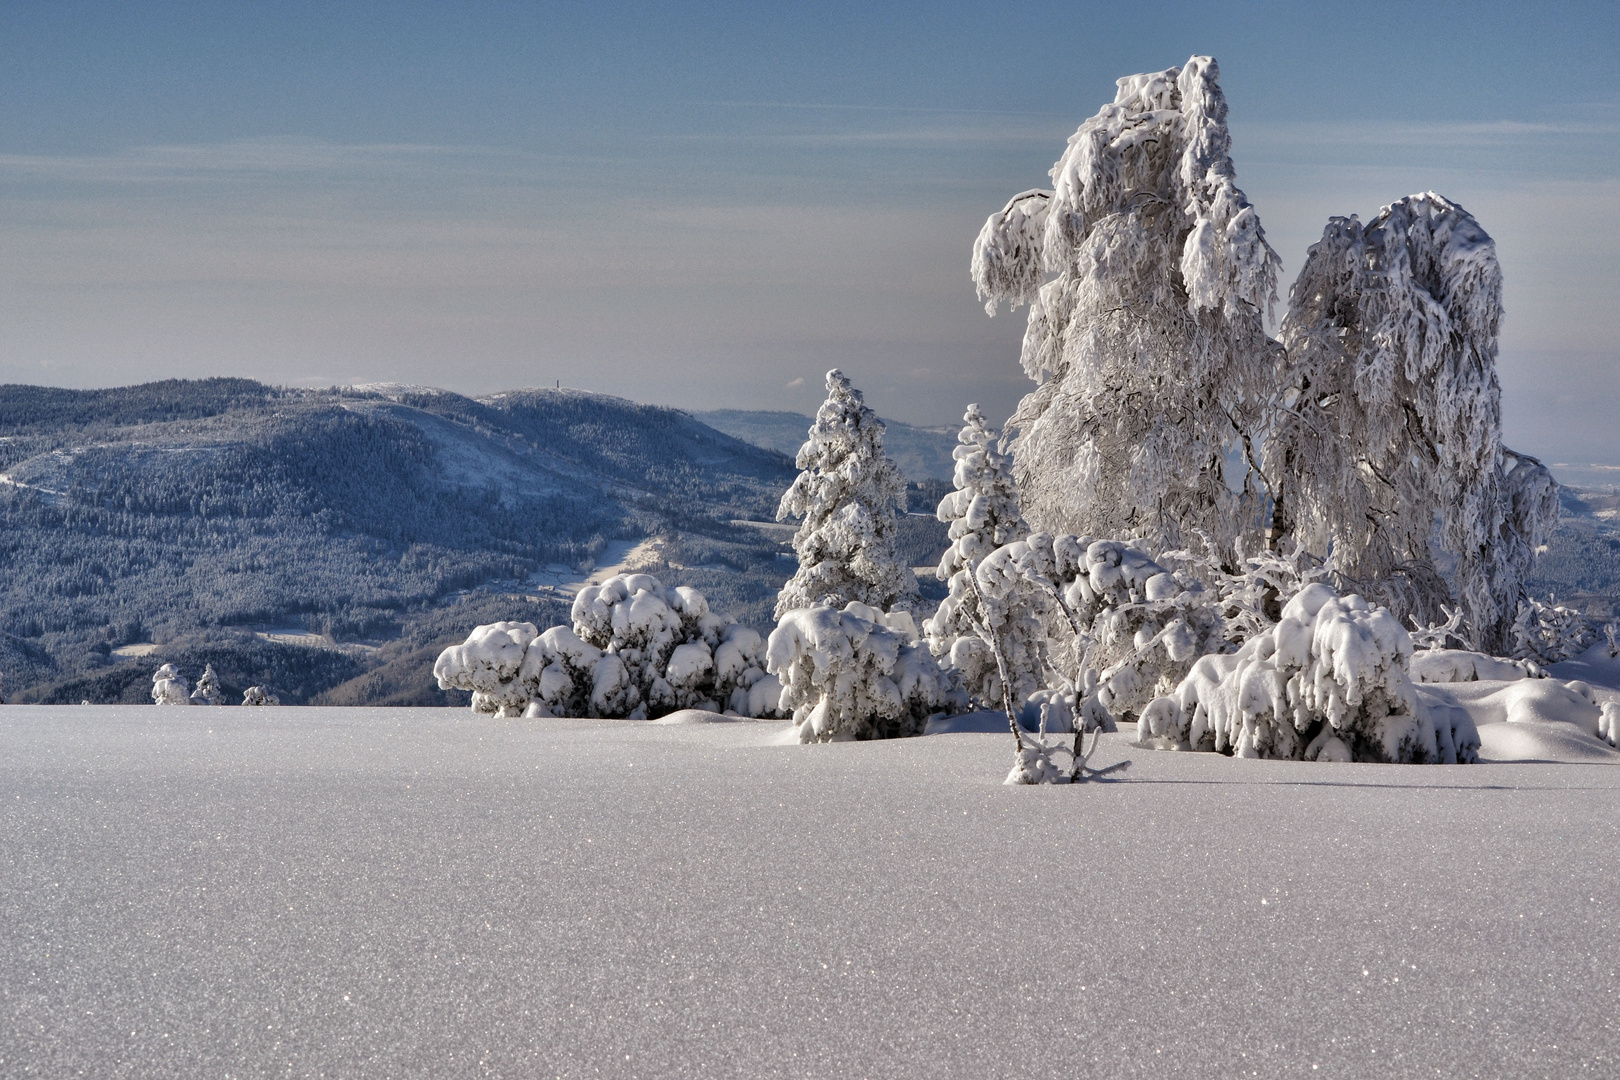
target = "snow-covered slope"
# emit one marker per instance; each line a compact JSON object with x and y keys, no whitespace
{"x":199,"y":892}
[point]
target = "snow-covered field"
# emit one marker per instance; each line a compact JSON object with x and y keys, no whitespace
{"x":353,"y":892}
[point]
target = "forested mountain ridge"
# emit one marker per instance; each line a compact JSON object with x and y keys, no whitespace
{"x":172,"y":510}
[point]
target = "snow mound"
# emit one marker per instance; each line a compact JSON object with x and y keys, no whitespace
{"x":1537,"y":740}
{"x":1460,"y":665}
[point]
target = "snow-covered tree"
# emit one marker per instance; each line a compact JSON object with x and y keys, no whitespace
{"x":258,"y":695}
{"x":208,"y":691}
{"x":169,"y":687}
{"x":855,"y":673}
{"x":1147,"y":345}
{"x":983,"y":515}
{"x":1390,"y":417}
{"x":636,"y":650}
{"x":847,"y":495}
{"x":1329,"y":682}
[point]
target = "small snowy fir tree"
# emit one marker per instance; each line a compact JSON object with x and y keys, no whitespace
{"x":1390,"y":418}
{"x":636,"y":650}
{"x":983,"y":515}
{"x":855,"y":673}
{"x":208,"y":691}
{"x":1329,"y":682}
{"x":1147,"y":346}
{"x":169,"y":687}
{"x":258,"y":695}
{"x":847,"y":495}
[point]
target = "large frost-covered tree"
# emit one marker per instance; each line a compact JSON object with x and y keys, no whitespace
{"x":1148,"y":345}
{"x":1390,"y":417}
{"x":847,"y":495}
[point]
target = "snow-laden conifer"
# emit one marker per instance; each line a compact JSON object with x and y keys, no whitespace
{"x":258,"y":695}
{"x":1147,"y":344}
{"x":983,"y":515}
{"x":208,"y":691}
{"x":1390,"y":418}
{"x":854,"y":673}
{"x":847,"y":494}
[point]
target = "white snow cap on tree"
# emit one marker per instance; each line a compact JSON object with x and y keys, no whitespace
{"x":983,"y":515}
{"x":847,"y":494}
{"x":853,"y":674}
{"x":637,"y":650}
{"x":208,"y":691}
{"x":1391,"y":416}
{"x":169,"y":687}
{"x":1330,"y":682}
{"x":1148,"y":344}
{"x":258,"y":695}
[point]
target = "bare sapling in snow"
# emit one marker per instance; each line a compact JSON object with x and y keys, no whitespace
{"x":1549,"y":633}
{"x":846,"y":495}
{"x":169,"y":687}
{"x":1329,"y":682}
{"x":208,"y":691}
{"x":855,"y":673}
{"x":1146,"y":343}
{"x":964,"y":632}
{"x":258,"y":695}
{"x":636,"y":650}
{"x":1390,"y":418}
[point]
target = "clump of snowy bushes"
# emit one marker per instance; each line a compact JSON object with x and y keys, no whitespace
{"x":636,"y":650}
{"x":1329,"y":682}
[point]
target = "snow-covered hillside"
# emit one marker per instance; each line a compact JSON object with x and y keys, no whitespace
{"x":420,"y":893}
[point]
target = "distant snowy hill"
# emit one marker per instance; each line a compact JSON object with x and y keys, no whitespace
{"x":923,"y":453}
{"x":195,"y":515}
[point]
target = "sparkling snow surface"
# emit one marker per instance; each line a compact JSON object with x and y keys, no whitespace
{"x":356,"y":892}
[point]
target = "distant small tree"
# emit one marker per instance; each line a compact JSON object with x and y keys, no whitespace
{"x":169,"y":687}
{"x":208,"y":691}
{"x":258,"y":695}
{"x":847,"y":495}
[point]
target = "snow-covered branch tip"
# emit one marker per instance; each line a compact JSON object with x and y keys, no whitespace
{"x":1008,"y":255}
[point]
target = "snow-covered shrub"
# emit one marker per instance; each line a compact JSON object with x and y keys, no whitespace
{"x":1390,"y":416}
{"x":847,"y":494}
{"x":1141,"y":625}
{"x":258,"y":695}
{"x":1147,"y":346}
{"x":637,"y":650}
{"x":983,"y":515}
{"x":1609,"y":723}
{"x":169,"y":687}
{"x":1549,"y":633}
{"x":208,"y":691}
{"x":854,"y":673}
{"x":1329,"y":682}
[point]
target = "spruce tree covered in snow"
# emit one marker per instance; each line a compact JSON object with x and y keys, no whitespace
{"x":1147,"y":345}
{"x":1390,"y":418}
{"x":847,"y":495}
{"x":983,"y":515}
{"x":208,"y":691}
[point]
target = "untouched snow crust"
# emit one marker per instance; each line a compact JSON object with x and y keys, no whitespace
{"x":426,"y":893}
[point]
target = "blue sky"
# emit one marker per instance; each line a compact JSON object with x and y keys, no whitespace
{"x":703,"y":205}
